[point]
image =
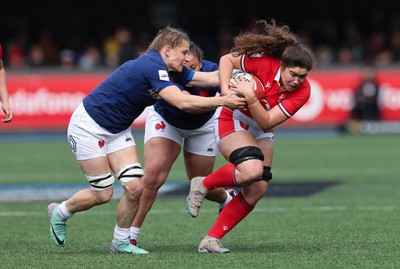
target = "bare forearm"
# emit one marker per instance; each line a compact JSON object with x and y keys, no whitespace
{"x":4,"y":103}
{"x":205,"y":79}
{"x":266,"y":119}
{"x":197,"y":105}
{"x":3,"y":86}
{"x":227,"y":64}
{"x":225,"y":72}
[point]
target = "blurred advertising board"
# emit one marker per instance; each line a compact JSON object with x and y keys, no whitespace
{"x":46,"y":101}
{"x":332,"y":97}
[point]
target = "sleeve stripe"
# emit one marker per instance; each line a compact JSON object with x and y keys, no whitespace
{"x":242,"y":63}
{"x":190,"y":77}
{"x":284,"y":110}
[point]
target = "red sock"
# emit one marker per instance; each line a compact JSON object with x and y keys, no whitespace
{"x":222,"y":177}
{"x":236,"y":210}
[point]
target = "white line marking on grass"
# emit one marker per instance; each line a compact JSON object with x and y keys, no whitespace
{"x":211,"y":211}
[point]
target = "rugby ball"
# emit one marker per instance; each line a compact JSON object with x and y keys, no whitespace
{"x":257,"y":85}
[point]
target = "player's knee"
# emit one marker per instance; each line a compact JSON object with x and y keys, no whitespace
{"x":251,"y":173}
{"x":133,"y":190}
{"x":244,"y":154}
{"x":154,"y":181}
{"x":105,"y":196}
{"x":100,"y":182}
{"x":130,"y":172}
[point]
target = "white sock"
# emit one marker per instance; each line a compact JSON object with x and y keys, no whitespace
{"x":64,"y":213}
{"x":121,"y":234}
{"x":134,"y":232}
{"x":228,"y":199}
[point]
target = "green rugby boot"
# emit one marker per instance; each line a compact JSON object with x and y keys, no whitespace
{"x":58,"y":226}
{"x":125,"y":247}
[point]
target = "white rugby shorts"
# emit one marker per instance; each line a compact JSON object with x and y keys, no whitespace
{"x":88,"y":140}
{"x":199,"y":141}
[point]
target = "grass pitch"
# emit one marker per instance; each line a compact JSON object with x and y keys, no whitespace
{"x":354,"y":224}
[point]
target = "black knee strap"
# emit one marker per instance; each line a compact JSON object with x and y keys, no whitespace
{"x":266,"y":175}
{"x":245,"y":153}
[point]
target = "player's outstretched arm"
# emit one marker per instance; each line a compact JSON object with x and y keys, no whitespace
{"x":198,"y":104}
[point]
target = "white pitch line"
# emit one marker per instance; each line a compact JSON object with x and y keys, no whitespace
{"x":212,"y":211}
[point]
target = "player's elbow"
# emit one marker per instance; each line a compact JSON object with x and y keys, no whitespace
{"x":266,"y":129}
{"x":184,"y":105}
{"x":266,"y":126}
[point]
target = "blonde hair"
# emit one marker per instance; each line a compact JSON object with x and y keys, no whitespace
{"x":168,"y":36}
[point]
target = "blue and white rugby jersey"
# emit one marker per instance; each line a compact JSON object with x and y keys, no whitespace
{"x":127,"y":91}
{"x":182,"y":119}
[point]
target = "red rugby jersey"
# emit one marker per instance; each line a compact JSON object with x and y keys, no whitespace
{"x":266,"y":68}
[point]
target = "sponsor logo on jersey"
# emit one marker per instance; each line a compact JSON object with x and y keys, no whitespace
{"x":163,"y":75}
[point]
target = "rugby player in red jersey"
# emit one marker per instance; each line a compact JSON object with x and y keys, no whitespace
{"x":246,"y":136}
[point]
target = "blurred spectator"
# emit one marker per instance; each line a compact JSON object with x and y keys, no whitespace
{"x":366,"y":101}
{"x":16,"y":55}
{"x":384,"y":58}
{"x":67,"y":58}
{"x":324,"y":55}
{"x":49,"y":47}
{"x":119,"y":48}
{"x":36,"y":56}
{"x":110,"y":47}
{"x":364,"y":32}
{"x":91,"y":58}
{"x":17,"y":47}
{"x":395,"y":44}
{"x":345,"y":57}
{"x":366,"y":106}
{"x":126,"y":48}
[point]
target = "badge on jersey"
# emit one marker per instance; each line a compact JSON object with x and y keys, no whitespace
{"x":163,"y":75}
